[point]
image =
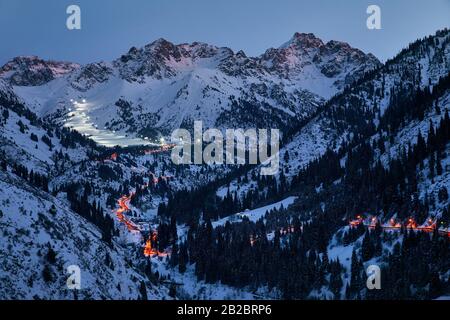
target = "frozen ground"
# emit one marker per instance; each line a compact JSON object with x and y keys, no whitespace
{"x":80,"y":121}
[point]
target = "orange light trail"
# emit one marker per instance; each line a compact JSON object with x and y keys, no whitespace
{"x":411,"y":224}
{"x":163,"y":148}
{"x":123,"y":203}
{"x":149,"y":250}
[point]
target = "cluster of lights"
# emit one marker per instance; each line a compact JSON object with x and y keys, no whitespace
{"x":83,"y":101}
{"x":161,"y":140}
{"x":75,"y":102}
{"x":429,"y":226}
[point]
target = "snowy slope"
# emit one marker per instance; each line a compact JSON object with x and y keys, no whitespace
{"x":255,"y":214}
{"x":28,"y":228}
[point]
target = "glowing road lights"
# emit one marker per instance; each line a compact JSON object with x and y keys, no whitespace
{"x":429,"y":226}
{"x":123,"y":203}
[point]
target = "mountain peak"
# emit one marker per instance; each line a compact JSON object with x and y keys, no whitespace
{"x":303,"y":40}
{"x":34,"y":71}
{"x":161,"y":42}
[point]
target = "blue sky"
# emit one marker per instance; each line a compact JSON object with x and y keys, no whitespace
{"x":110,"y":28}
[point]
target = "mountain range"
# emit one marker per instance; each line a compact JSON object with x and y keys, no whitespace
{"x":153,"y":90}
{"x":364,"y":174}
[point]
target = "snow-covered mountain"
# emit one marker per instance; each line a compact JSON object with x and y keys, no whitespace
{"x":347,"y":115}
{"x":378,"y":152}
{"x":163,"y":86}
{"x":356,"y":147}
{"x":322,"y":68}
{"x":33,"y":71}
{"x":358,"y":115}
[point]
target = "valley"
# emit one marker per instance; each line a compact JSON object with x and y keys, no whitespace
{"x":87,"y":177}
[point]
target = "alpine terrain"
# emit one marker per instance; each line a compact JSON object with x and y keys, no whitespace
{"x":88,"y":181}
